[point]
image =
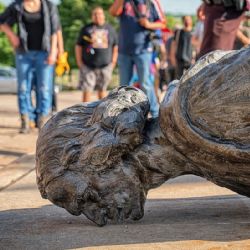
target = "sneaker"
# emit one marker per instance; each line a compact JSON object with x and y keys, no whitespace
{"x":32,"y":124}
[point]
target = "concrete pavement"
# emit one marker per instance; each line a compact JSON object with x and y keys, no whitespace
{"x":185,"y":213}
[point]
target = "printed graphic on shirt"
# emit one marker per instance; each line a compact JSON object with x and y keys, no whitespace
{"x":99,"y":39}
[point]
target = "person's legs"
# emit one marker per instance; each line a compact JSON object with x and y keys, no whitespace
{"x":54,"y":94}
{"x":125,"y":64}
{"x":24,"y":69}
{"x":32,"y":105}
{"x":87,"y":81}
{"x":103,"y":79}
{"x":86,"y":96}
{"x":142,"y":63}
{"x":44,"y":76}
{"x":101,"y":94}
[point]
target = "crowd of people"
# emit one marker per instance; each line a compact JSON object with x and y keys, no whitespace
{"x":148,"y":54}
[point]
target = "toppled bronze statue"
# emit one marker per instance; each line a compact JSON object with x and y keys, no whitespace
{"x":101,"y":158}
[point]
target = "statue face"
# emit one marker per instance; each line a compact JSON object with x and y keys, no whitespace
{"x":114,"y":194}
{"x":66,"y":191}
{"x":121,"y":194}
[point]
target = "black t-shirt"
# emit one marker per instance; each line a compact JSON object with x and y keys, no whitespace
{"x":97,"y":44}
{"x":183,"y":46}
{"x":34,"y":26}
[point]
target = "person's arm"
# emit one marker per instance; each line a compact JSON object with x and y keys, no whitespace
{"x":7,"y":19}
{"x":78,"y":54}
{"x":244,"y":39}
{"x":114,"y":56}
{"x":53,"y":50}
{"x":55,"y":28}
{"x":12,"y":37}
{"x":60,"y":43}
{"x":80,"y":43}
{"x":195,"y":39}
{"x":116,"y":8}
{"x":157,"y":21}
{"x":151,"y":25}
{"x":9,"y":16}
{"x":172,"y":53}
{"x":163,"y":56}
{"x":114,"y":37}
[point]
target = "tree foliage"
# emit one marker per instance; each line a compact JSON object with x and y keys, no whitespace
{"x":172,"y":21}
{"x":6,"y":51}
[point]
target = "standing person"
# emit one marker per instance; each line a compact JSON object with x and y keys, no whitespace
{"x":171,"y":61}
{"x":182,"y":47}
{"x":96,"y":55}
{"x":138,"y":20}
{"x":221,"y":24}
{"x":62,"y":66}
{"x":35,"y":45}
{"x":198,"y":32}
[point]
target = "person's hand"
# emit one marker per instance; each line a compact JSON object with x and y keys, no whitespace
{"x":79,"y":65}
{"x":51,"y":58}
{"x":14,"y":40}
{"x":163,"y":65}
{"x":144,"y":22}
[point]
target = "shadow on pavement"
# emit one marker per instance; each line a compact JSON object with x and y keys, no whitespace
{"x":217,"y":218}
{"x":11,"y":153}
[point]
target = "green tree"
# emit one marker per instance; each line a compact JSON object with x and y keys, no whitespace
{"x":6,"y":51}
{"x":172,"y":21}
{"x":74,"y":14}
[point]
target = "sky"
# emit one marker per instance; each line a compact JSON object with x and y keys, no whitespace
{"x":180,"y":6}
{"x":169,"y":6}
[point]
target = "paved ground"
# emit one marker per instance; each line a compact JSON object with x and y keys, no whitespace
{"x":186,"y":213}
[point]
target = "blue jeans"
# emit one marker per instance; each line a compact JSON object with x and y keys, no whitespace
{"x":30,"y":65}
{"x":142,"y":63}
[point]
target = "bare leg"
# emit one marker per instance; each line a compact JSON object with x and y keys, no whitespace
{"x":86,"y":96}
{"x":102,"y":94}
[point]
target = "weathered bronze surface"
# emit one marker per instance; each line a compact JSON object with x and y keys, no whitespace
{"x":101,"y":158}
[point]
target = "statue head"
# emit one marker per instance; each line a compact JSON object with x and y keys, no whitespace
{"x":83,"y":162}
